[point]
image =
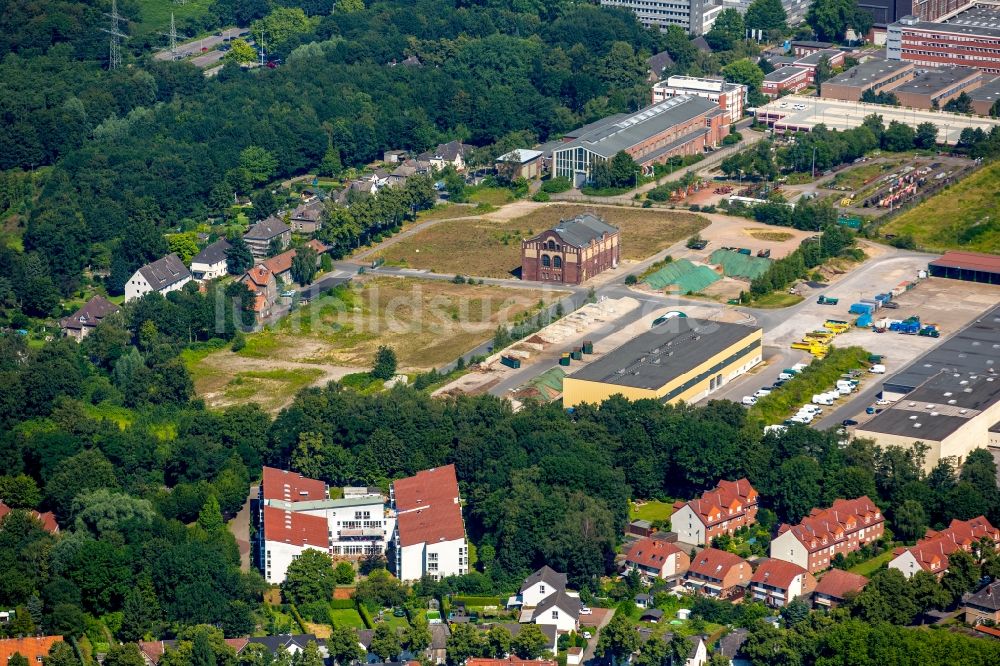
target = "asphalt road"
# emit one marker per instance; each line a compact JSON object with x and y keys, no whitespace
{"x":202,"y":45}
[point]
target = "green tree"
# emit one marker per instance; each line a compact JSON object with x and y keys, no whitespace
{"x":241,"y":52}
{"x":417,"y":637}
{"x":654,"y":652}
{"x":343,"y":646}
{"x":264,"y":204}
{"x":17,"y":659}
{"x":679,"y":649}
{"x":623,"y":170}
{"x":465,"y":641}
{"x":796,"y":611}
{"x":729,"y":28}
{"x":963,"y":574}
{"x":349,"y":6}
{"x":385,"y":642}
{"x":259,"y":163}
{"x":961,"y":104}
{"x":126,"y":654}
{"x":310,"y":577}
{"x":618,"y":639}
{"x":926,"y":136}
{"x":210,"y":517}
{"x":765,"y":15}
{"x":141,"y":611}
{"x":385,"y":364}
{"x":280,"y":26}
{"x":304,"y":265}
{"x":239,"y":258}
{"x":88,"y":470}
{"x":898,"y":137}
{"x":500,"y":641}
{"x":744,"y":71}
{"x":344,"y":573}
{"x":831,"y":18}
{"x":530,"y":642}
{"x":19,"y":491}
{"x":61,"y":654}
{"x":309,"y":656}
{"x":330,"y":165}
{"x":184,"y":245}
{"x":888,"y":597}
{"x":910,"y":520}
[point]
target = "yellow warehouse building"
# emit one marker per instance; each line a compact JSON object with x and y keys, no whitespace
{"x":680,"y":359}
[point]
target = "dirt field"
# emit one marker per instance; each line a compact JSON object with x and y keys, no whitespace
{"x":427,"y":323}
{"x":494,"y":241}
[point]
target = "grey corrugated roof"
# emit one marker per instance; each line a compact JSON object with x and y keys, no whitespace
{"x":867,"y":72}
{"x":213,"y":254}
{"x":618,"y":133}
{"x":267,"y":229}
{"x":652,"y":359}
{"x":164,"y":272}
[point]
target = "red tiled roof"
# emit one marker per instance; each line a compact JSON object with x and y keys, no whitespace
{"x":932,"y":551}
{"x":837,"y":583}
{"x":843,"y":517}
{"x":48,"y":520}
{"x":972,"y":261}
{"x":714,"y":562}
{"x":652,"y":553}
{"x":509,"y":661}
{"x":297,"y":529}
{"x":279,"y":484}
{"x":713,"y":505}
{"x":30,"y":648}
{"x":259,"y":275}
{"x":778,"y":573}
{"x":428,"y":507}
{"x":319,"y":246}
{"x":280,"y":263}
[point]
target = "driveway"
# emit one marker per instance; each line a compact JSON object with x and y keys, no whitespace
{"x":599,"y":618}
{"x":240,"y":528}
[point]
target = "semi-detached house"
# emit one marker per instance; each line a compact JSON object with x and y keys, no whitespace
{"x":843,"y":528}
{"x":656,"y":559}
{"x":931,"y":553}
{"x":718,"y":573}
{"x":722,"y":510}
{"x":776,"y":582}
{"x":429,"y":538}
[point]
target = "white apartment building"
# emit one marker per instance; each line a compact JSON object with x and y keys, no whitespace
{"x":695,"y":16}
{"x":295,"y":513}
{"x":429,"y":536}
{"x":731,"y":97}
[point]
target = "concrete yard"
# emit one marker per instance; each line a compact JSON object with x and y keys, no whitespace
{"x":839,"y":115}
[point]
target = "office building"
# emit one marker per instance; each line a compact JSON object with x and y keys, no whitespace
{"x":785,"y":81}
{"x":970,"y":38}
{"x":695,"y":16}
{"x":874,"y":75}
{"x":985,"y":98}
{"x":933,"y":88}
{"x":731,"y":97}
{"x":679,"y":360}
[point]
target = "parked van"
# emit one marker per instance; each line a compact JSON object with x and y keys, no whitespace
{"x":877,"y":369}
{"x":812,"y":409}
{"x":785,"y":376}
{"x":749,"y":400}
{"x":822,"y":399}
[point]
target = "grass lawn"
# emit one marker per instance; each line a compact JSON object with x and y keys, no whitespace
{"x":868,"y":567}
{"x":496,"y":244}
{"x":393,"y":621}
{"x":427,"y":323}
{"x":446,"y":212}
{"x":154,"y":15}
{"x":651,"y":510}
{"x":493,"y":196}
{"x":961,"y":217}
{"x":777,"y":299}
{"x":346,"y":617}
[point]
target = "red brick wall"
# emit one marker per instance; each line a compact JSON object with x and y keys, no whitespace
{"x":570,"y":272}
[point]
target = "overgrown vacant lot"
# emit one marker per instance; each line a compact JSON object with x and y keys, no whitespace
{"x":428,"y":323}
{"x":490,"y":246}
{"x":962,"y":217}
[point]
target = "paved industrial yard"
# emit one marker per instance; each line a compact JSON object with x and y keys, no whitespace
{"x":794,"y":113}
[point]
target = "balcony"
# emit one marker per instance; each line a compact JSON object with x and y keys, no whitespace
{"x":363,"y":532}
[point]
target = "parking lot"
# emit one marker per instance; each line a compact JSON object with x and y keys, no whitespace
{"x":950,"y":304}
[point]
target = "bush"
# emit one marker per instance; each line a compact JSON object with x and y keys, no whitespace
{"x":239,"y":341}
{"x":904,"y":242}
{"x":730,"y":139}
{"x":458,"y":279}
{"x":541,"y":196}
{"x":631,"y":279}
{"x":694,"y":208}
{"x":556,"y":185}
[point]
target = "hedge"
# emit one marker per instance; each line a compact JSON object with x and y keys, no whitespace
{"x":298,"y":618}
{"x":477,"y":601}
{"x":818,"y":377}
{"x":366,"y":617}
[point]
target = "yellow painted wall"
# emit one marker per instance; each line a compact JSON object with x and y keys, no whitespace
{"x":577,"y":391}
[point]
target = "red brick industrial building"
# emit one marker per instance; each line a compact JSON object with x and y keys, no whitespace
{"x":572,"y":252}
{"x":970,"y":39}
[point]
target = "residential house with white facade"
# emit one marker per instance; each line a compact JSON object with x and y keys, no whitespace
{"x":162,"y":276}
{"x":212,"y":262}
{"x":722,"y":510}
{"x":843,"y":528}
{"x":429,"y":535}
{"x":295,"y":513}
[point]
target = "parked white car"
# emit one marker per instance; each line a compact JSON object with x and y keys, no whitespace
{"x":749,"y":400}
{"x":877,"y":369}
{"x":762,"y":392}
